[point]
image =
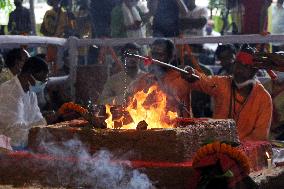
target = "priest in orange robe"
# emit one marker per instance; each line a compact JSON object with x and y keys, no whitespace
{"x":240,"y":97}
{"x":168,"y":80}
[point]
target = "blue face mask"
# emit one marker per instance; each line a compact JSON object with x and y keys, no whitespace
{"x":38,"y":87}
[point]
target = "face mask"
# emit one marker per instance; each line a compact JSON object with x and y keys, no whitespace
{"x":38,"y":87}
{"x":245,"y":83}
{"x":209,"y":30}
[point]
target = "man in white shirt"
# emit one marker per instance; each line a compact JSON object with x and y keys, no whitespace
{"x":209,"y":30}
{"x":277,"y":24}
{"x":193,"y":22}
{"x":19,"y":109}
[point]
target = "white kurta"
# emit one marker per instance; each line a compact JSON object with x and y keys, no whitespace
{"x":19,"y":112}
{"x":197,"y":12}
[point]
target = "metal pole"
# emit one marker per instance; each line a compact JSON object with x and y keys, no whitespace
{"x":161,"y":64}
{"x":73,"y":55}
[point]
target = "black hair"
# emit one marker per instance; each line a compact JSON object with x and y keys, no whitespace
{"x":12,"y":56}
{"x":34,"y":65}
{"x":128,"y":46}
{"x":222,"y":48}
{"x":169,"y":45}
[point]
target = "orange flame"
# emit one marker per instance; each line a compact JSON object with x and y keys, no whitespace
{"x":149,"y":106}
{"x":109,"y":122}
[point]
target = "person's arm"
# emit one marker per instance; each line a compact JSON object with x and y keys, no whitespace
{"x":11,"y":113}
{"x":180,"y":91}
{"x":211,"y":85}
{"x":35,"y":116}
{"x":263,"y":121}
{"x":145,"y":16}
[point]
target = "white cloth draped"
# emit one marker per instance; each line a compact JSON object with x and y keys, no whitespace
{"x":131,"y":16}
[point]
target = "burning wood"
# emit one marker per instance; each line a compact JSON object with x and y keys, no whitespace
{"x":149,"y":106}
{"x":142,"y":125}
{"x":120,"y":116}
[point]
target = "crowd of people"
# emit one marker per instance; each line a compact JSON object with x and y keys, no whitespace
{"x":140,"y":18}
{"x":233,"y":91}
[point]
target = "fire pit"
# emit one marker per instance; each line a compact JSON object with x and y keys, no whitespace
{"x":145,"y":128}
{"x":145,"y":132}
{"x":169,"y":144}
{"x":161,"y":153}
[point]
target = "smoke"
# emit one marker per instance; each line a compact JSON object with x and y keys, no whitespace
{"x":73,"y":166}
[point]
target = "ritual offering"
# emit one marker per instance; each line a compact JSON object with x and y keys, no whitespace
{"x":143,"y":133}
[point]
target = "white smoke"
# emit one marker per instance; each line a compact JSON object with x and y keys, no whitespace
{"x":74,"y":167}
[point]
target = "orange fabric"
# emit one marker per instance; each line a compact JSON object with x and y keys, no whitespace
{"x":254,"y":117}
{"x":178,"y":90}
{"x":51,"y":56}
{"x":193,"y":59}
{"x":173,"y":85}
{"x":51,"y":53}
{"x":104,"y":51}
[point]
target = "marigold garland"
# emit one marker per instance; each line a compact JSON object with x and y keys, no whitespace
{"x":217,"y":147}
{"x":71,"y":106}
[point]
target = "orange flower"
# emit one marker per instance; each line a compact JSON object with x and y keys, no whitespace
{"x":70,"y":106}
{"x":217,"y":147}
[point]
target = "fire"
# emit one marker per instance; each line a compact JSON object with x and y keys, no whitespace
{"x":109,"y":122}
{"x":149,"y":106}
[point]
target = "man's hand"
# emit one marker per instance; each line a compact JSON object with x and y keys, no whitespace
{"x":135,"y":26}
{"x":190,"y":77}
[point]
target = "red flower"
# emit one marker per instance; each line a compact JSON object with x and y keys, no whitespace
{"x":148,"y":61}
